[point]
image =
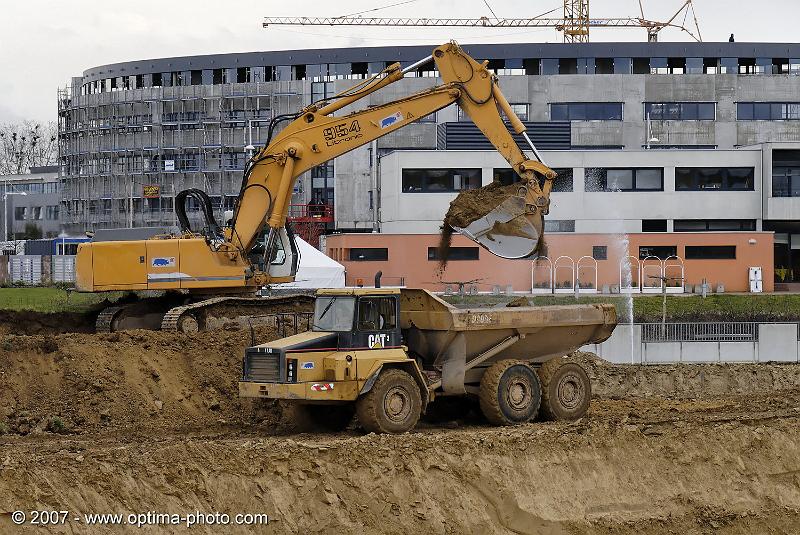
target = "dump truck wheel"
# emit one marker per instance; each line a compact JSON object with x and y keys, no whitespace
{"x":331,"y":417}
{"x":393,"y":405}
{"x":510,"y":393}
{"x":566,"y":390}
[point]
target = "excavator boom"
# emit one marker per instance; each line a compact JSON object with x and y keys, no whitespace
{"x":239,"y":257}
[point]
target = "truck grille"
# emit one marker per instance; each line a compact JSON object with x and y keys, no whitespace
{"x":263,"y":367}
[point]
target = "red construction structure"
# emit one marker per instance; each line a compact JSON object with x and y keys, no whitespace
{"x":309,"y":220}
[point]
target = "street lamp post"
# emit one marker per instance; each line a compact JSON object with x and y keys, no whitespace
{"x":5,"y":211}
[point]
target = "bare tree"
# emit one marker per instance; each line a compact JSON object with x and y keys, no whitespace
{"x":27,"y":144}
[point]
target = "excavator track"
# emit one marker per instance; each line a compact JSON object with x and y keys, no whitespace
{"x":199,"y":316}
{"x":105,"y":320}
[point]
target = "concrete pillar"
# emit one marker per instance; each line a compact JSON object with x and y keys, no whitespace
{"x":624,"y":346}
{"x":47,"y":270}
{"x":4,"y":274}
{"x":777,"y":342}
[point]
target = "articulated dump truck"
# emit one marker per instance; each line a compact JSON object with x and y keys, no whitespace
{"x":387,"y":354}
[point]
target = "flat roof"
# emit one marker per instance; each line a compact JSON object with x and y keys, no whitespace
{"x":408,"y":54}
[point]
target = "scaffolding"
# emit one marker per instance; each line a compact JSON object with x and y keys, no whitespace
{"x":124,"y":155}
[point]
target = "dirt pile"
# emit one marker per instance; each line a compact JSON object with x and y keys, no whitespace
{"x":469,"y":206}
{"x":136,"y":381}
{"x":29,"y":322}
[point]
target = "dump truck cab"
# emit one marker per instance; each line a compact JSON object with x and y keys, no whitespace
{"x":386,"y":353}
{"x":354,"y":334}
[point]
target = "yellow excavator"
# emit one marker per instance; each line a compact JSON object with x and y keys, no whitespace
{"x":212,"y":274}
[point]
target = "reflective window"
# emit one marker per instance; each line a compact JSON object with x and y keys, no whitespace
{"x":455,"y":253}
{"x":377,"y":313}
{"x":550,"y":66}
{"x":622,"y":65}
{"x":680,"y":111}
{"x":440,"y":180}
{"x":694,"y":66}
{"x":728,"y":65}
{"x":710,"y":252}
{"x":334,"y":313}
{"x":768,"y":111}
{"x":369,"y":254}
{"x":586,"y":111}
{"x":559,"y":225}
{"x":562,"y":182}
{"x":624,"y":179}
{"x":714,"y":178}
{"x":713,"y":225}
{"x":786,"y":181}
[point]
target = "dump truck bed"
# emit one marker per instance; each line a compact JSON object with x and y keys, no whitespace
{"x":437,"y":331}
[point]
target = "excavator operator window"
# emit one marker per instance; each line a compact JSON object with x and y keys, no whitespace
{"x":377,"y":314}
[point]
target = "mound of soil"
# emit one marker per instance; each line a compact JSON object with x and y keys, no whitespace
{"x":134,"y":381}
{"x":29,"y":322}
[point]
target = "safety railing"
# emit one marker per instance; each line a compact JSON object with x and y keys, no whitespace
{"x":700,"y":332}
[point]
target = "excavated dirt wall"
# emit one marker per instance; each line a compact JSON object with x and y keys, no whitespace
{"x":150,"y":421}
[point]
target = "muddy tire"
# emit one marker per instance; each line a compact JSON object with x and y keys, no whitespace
{"x":566,"y":390}
{"x":510,"y":393}
{"x":393,"y":405}
{"x":333,"y":418}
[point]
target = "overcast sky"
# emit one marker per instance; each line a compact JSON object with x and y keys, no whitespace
{"x":45,"y":42}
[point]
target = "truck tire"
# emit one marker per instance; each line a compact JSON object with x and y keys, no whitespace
{"x":331,"y":417}
{"x":510,"y":393}
{"x":566,"y":390}
{"x":393,"y":405}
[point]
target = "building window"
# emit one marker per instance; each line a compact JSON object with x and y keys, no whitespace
{"x":20,"y":213}
{"x":710,"y":252}
{"x":559,"y":225}
{"x":36,"y":212}
{"x":661,"y":252}
{"x":586,"y":111}
{"x":680,"y":111}
{"x":455,"y":253}
{"x":768,"y":111}
{"x":714,"y":178}
{"x":562,"y":182}
{"x":51,"y":212}
{"x":713,"y":225}
{"x":600,"y":252}
{"x":641,"y":179}
{"x":366,"y":254}
{"x":786,"y":181}
{"x":521,"y":110}
{"x":440,"y":180}
{"x":654,"y":225}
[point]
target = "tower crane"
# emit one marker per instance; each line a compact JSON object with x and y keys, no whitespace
{"x":574,"y":25}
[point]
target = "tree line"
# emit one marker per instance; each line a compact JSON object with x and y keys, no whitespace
{"x":27,"y":144}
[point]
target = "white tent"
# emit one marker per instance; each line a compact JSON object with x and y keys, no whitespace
{"x":316,"y":270}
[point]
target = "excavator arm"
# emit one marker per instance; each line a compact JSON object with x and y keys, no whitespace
{"x":233,"y":258}
{"x":317,"y":136}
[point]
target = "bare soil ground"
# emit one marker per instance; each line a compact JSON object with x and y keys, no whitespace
{"x":150,"y":421}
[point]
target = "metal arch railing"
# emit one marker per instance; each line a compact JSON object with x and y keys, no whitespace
{"x":536,"y":264}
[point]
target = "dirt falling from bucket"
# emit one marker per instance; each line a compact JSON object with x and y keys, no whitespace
{"x":469,"y":206}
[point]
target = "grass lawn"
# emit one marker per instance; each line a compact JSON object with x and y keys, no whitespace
{"x":772,"y":307}
{"x":51,"y":299}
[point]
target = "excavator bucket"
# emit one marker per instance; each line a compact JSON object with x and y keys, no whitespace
{"x":507,"y":231}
